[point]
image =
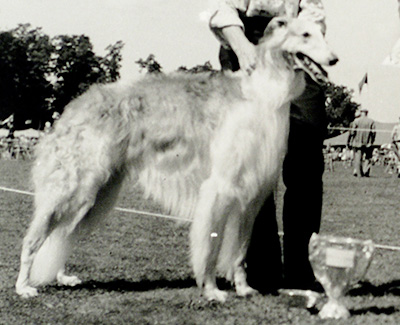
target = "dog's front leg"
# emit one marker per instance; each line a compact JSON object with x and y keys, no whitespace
{"x":34,"y":239}
{"x":245,"y":231}
{"x":207,"y":233}
{"x":205,"y":252}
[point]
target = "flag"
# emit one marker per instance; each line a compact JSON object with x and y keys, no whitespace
{"x":364,"y":81}
{"x":399,"y":6}
{"x":393,"y":58}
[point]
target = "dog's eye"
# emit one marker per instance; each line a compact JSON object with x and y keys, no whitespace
{"x":306,"y":35}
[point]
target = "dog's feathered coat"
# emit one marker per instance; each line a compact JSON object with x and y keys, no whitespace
{"x":207,"y":147}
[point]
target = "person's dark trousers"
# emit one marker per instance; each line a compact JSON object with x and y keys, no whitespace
{"x":367,"y":163}
{"x":362,"y":161}
{"x":358,"y":162}
{"x":302,"y":175}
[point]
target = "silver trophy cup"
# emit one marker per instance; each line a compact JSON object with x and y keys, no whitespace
{"x":338,"y":263}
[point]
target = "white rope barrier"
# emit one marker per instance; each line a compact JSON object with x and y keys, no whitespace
{"x":387,"y":247}
{"x":151,"y":214}
{"x":6,"y":189}
{"x":349,"y":129}
{"x":158,"y":215}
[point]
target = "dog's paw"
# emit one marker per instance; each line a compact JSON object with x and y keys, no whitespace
{"x":245,"y":291}
{"x":215,"y":295}
{"x":26,"y":291}
{"x":69,"y":281}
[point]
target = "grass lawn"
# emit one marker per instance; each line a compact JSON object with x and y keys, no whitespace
{"x":137,"y":270}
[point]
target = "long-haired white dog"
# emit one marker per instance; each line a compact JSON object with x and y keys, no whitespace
{"x":208,"y":147}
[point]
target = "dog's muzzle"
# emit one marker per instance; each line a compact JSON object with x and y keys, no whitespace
{"x":302,"y":62}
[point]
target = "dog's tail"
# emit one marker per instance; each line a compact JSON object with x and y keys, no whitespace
{"x":51,"y":257}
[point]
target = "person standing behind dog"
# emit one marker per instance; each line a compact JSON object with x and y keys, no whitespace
{"x":361,"y":138}
{"x":239,"y":24}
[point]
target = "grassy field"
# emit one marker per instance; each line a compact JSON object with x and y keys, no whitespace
{"x":137,"y":271}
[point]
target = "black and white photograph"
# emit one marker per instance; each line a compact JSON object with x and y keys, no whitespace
{"x":200,"y":162}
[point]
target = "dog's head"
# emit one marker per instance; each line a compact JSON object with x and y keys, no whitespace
{"x":302,"y":44}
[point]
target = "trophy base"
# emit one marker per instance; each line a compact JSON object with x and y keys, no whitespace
{"x":300,"y":298}
{"x":334,"y":309}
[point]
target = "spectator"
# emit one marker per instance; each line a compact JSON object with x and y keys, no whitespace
{"x":396,"y":139}
{"x":55,"y":116}
{"x":47,"y":127}
{"x":361,"y":139}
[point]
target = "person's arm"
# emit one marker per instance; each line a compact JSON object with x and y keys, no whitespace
{"x":225,"y":13}
{"x":229,"y":29}
{"x":373,"y":133}
{"x":243,"y":48}
{"x":394,"y":133}
{"x":350,"y":139}
{"x":352,"y":133}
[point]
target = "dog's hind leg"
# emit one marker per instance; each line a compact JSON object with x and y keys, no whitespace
{"x":207,"y":233}
{"x":59,"y":219}
{"x":91,"y":216}
{"x":34,"y":239}
{"x":45,"y":248}
{"x":67,"y":280}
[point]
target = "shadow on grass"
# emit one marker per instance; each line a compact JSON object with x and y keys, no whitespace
{"x":120,"y":285}
{"x":375,"y":310}
{"x":362,"y":311}
{"x":367,"y":288}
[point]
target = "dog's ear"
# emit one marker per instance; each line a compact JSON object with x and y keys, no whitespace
{"x":276,"y":23}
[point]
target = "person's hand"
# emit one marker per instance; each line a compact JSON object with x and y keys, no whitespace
{"x":243,"y":48}
{"x":247,"y":57}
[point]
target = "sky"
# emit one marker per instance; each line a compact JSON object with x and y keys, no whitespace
{"x":361,"y":32}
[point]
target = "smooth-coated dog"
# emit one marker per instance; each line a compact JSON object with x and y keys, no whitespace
{"x":208,"y":147}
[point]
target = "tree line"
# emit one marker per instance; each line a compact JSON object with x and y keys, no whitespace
{"x":39,"y":75}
